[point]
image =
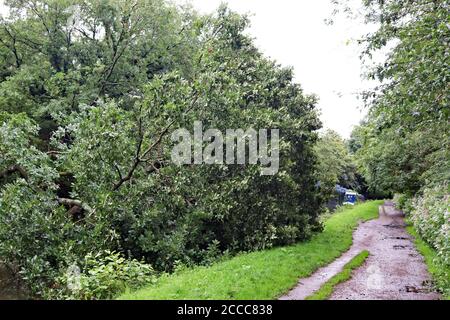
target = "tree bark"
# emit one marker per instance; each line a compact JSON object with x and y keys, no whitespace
{"x":14,"y":169}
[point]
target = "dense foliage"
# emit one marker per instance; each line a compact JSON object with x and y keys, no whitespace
{"x":432,"y":217}
{"x":336,"y":165}
{"x":90,"y":92}
{"x":403,"y":146}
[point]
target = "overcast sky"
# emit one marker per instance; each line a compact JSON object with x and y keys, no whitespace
{"x":325,"y":59}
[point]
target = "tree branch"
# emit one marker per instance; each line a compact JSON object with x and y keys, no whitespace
{"x":167,"y":128}
{"x":14,"y":169}
{"x":75,"y":203}
{"x":13,"y":47}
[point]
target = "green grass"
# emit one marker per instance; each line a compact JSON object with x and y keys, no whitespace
{"x":439,"y":272}
{"x":266,"y":274}
{"x":327,"y":289}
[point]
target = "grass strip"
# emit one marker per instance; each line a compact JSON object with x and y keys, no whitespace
{"x":328,"y":288}
{"x":439,"y":271}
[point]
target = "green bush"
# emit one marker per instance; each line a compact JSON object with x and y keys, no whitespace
{"x":403,"y":202}
{"x":287,"y":234}
{"x":431,"y":219}
{"x":32,"y":235}
{"x":103,"y":276}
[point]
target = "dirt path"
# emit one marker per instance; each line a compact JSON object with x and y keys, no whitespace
{"x":393,"y":271}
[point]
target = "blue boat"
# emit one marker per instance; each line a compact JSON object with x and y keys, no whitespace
{"x":350,"y":198}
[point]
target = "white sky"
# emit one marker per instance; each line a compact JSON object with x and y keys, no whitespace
{"x":325,"y":60}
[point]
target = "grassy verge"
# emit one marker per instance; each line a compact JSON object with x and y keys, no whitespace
{"x":265,"y":274}
{"x":439,"y":272}
{"x":327,"y":289}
